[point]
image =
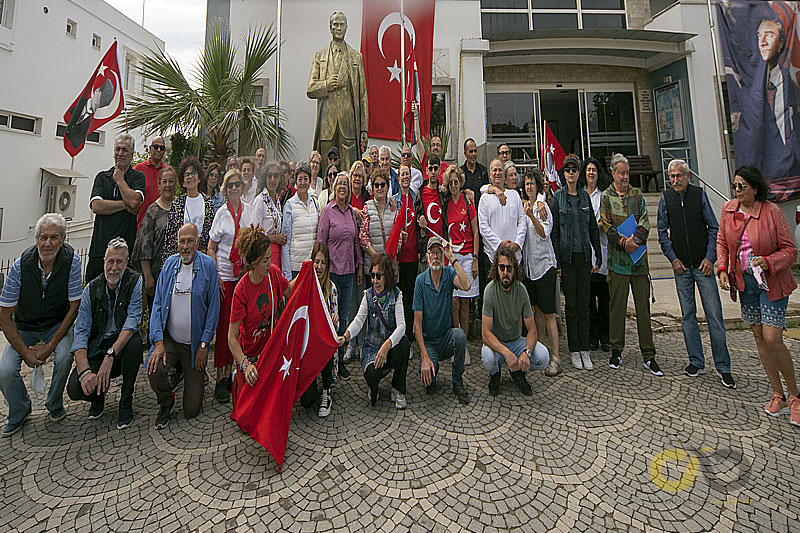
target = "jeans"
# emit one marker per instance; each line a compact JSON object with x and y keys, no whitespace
{"x":344,"y":285}
{"x":453,"y":344}
{"x":492,"y":360}
{"x":11,"y":383}
{"x":126,"y":364}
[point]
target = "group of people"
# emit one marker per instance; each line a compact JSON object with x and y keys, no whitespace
{"x":218,"y":260}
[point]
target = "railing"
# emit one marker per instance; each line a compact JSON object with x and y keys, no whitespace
{"x":83,"y":253}
{"x":725,"y":198}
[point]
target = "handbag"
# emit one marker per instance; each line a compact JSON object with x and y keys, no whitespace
{"x":378,"y":307}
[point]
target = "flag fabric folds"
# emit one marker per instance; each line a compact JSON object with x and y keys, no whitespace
{"x":289,"y":363}
{"x":399,"y":223}
{"x":552,"y":157}
{"x":100,"y":101}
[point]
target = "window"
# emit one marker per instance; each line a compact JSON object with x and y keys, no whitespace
{"x":130,"y":74}
{"x":1,"y":213}
{"x":7,"y":13}
{"x":515,"y":15}
{"x":612,"y":123}
{"x":23,"y":123}
{"x":95,"y":137}
{"x":96,"y":41}
{"x":72,"y":28}
{"x":258,"y":95}
{"x":3,"y":120}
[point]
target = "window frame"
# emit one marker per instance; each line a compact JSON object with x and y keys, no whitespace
{"x":101,"y":135}
{"x":73,"y":32}
{"x":578,"y":10}
{"x":8,"y":126}
{"x":97,"y":41}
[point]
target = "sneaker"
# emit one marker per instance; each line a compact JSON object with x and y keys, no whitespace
{"x":794,"y":410}
{"x":593,"y":345}
{"x":494,"y":384}
{"x":586,"y":359}
{"x":58,"y":415}
{"x":576,"y":360}
{"x":467,"y":360}
{"x":461,"y":392}
{"x":615,"y":360}
{"x":776,"y":405}
{"x":343,"y":372}
{"x":125,"y":417}
{"x":605,"y":347}
{"x":325,"y":404}
{"x":373,"y":396}
{"x":10,"y":428}
{"x":221,"y":393}
{"x":727,"y":380}
{"x":162,"y":420}
{"x":430,"y":390}
{"x":398,"y":398}
{"x":522,"y":383}
{"x":693,"y":371}
{"x":652,"y":366}
{"x":552,"y":369}
{"x":349,"y":352}
{"x":97,"y":408}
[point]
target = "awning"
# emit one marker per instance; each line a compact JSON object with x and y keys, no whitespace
{"x":649,"y":49}
{"x":63,"y":172}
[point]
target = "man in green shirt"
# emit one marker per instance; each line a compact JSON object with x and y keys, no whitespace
{"x":504,"y":301}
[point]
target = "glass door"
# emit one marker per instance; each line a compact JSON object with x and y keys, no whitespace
{"x":611,"y":121}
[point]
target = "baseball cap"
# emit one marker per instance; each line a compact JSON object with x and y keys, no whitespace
{"x":434,"y":241}
{"x":573,"y":160}
{"x":333,"y":150}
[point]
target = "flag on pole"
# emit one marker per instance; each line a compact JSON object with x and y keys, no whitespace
{"x":101,"y":100}
{"x":413,"y":95}
{"x":552,"y":157}
{"x":393,"y":242}
{"x":290,"y":361}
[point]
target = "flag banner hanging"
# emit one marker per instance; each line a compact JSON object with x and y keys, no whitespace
{"x":291,"y":360}
{"x":380,"y":47}
{"x":552,"y":157}
{"x":101,"y":100}
{"x":762,"y":60}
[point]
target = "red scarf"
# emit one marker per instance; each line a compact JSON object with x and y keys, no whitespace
{"x":234,"y":256}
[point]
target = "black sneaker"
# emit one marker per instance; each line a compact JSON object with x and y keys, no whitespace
{"x":10,"y":428}
{"x":343,"y":372}
{"x":615,"y":360}
{"x":58,"y":415}
{"x":652,"y":366}
{"x":163,"y":415}
{"x":461,"y":392}
{"x":494,"y":384}
{"x":221,"y":393}
{"x":125,"y":417}
{"x":522,"y":383}
{"x":97,"y":408}
{"x":693,"y":371}
{"x":593,"y":345}
{"x":430,"y":390}
{"x":727,"y":380}
{"x":605,"y":347}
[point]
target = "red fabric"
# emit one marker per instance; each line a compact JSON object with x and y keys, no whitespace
{"x":151,"y":194}
{"x":80,"y":121}
{"x":380,"y":46}
{"x":394,"y":236}
{"x":234,"y":257}
{"x":457,"y":217}
{"x":432,"y":209}
{"x":289,"y":362}
{"x":357,"y":201}
{"x":407,"y":218}
{"x":553,"y":157}
{"x":222,"y":353}
{"x":275,"y":250}
{"x":252,"y":305}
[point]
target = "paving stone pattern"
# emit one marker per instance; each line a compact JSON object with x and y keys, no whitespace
{"x":576,"y":456}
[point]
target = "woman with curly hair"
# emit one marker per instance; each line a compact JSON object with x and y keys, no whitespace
{"x":190,"y":207}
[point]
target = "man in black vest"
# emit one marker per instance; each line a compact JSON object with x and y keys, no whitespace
{"x":107,"y":342}
{"x":687,"y":232}
{"x":42,"y":294}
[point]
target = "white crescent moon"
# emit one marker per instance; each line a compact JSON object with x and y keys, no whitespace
{"x":390,"y":20}
{"x":300,"y":313}
{"x":430,"y":217}
{"x":114,"y":102}
{"x":449,"y":227}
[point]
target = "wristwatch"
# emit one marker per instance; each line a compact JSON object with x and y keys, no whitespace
{"x":111,"y":353}
{"x":204,"y":345}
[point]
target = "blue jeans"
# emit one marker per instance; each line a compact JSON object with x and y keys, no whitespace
{"x":453,"y":344}
{"x":344,"y":284}
{"x":11,"y":383}
{"x":492,"y":360}
{"x":709,"y":295}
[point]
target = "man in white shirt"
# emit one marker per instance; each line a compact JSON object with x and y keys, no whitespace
{"x":501,"y":218}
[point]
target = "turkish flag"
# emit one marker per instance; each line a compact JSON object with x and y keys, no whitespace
{"x":552,"y":157}
{"x":393,"y":242}
{"x":380,"y":47}
{"x":101,"y":100}
{"x":291,"y":360}
{"x":412,"y":95}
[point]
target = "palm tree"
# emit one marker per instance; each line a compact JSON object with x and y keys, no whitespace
{"x":221,"y":106}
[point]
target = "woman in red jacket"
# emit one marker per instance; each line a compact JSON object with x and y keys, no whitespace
{"x":756,"y":251}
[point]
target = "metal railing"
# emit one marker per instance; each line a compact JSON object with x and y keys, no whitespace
{"x":725,"y":197}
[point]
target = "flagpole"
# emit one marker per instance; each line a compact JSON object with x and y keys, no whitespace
{"x":403,"y":71}
{"x":278,"y":82}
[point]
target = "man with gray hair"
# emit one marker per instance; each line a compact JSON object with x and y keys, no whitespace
{"x":385,"y":162}
{"x":687,"y":233}
{"x":116,"y":196}
{"x":107,"y":342}
{"x":41,"y":293}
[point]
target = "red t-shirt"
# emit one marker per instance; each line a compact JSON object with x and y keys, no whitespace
{"x":150,"y":188}
{"x":252,"y":306}
{"x":357,"y":202}
{"x":432,"y":209}
{"x":460,"y":224}
{"x":408,"y":252}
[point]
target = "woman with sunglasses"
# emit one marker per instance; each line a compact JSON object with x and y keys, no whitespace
{"x":385,"y":347}
{"x":317,"y":183}
{"x":379,"y":220}
{"x":755,"y":253}
{"x":224,"y":232}
{"x":326,"y":196}
{"x":575,"y":236}
{"x":267,"y":211}
{"x":210,"y":187}
{"x":190,"y":207}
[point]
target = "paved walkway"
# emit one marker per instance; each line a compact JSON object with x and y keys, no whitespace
{"x":590,"y":451}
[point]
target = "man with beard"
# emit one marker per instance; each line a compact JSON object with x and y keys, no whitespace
{"x":182,"y":323}
{"x":107,"y":342}
{"x":433,"y":318}
{"x":504,"y":302}
{"x":261,"y":158}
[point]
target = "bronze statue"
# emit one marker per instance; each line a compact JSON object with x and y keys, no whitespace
{"x":337,"y":83}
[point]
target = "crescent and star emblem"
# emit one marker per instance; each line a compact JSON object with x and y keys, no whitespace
{"x":390,"y":20}
{"x":430,"y":215}
{"x":102,"y":113}
{"x":301,"y":313}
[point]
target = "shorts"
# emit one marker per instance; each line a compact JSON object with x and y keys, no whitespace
{"x":542,"y":292}
{"x":758,"y":309}
{"x":466,"y":263}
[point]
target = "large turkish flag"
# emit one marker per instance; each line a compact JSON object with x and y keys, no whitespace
{"x":380,"y":47}
{"x":290,"y":361}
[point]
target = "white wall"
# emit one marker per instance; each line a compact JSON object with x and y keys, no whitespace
{"x":44,"y":70}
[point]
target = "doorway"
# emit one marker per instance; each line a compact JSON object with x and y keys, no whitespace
{"x":560,"y":109}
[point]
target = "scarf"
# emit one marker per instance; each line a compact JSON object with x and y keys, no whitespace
{"x":234,"y":256}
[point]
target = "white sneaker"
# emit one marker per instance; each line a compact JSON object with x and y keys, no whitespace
{"x":325,"y":404}
{"x":576,"y":360}
{"x":587,"y":360}
{"x":349,"y":352}
{"x":467,"y":360}
{"x":399,"y":399}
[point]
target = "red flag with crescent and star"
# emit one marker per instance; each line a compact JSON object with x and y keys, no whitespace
{"x":381,"y":28}
{"x":101,"y":100}
{"x":291,"y":360}
{"x":552,"y":157}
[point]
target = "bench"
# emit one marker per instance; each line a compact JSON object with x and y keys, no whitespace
{"x":641,"y":170}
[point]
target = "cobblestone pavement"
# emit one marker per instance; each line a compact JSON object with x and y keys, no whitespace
{"x":590,"y":451}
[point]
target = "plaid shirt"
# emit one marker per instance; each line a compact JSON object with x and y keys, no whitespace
{"x":614,"y":210}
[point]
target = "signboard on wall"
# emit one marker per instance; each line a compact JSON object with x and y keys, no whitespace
{"x":669,"y":112}
{"x":645,"y":101}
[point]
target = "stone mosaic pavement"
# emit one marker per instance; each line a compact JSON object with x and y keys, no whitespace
{"x":590,"y":451}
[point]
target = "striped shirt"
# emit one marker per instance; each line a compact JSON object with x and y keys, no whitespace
{"x":11,"y":288}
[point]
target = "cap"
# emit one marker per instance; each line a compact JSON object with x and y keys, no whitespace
{"x":573,"y":160}
{"x":366,"y":159}
{"x":333,"y":150}
{"x":434,"y":241}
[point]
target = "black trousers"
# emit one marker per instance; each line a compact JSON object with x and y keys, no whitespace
{"x":598,"y":309}
{"x":397,"y":360}
{"x":408,"y":277}
{"x":576,"y":278}
{"x":125,"y":364}
{"x":309,"y":397}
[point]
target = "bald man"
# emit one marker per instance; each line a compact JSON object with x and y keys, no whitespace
{"x":182,"y":323}
{"x":150,"y":169}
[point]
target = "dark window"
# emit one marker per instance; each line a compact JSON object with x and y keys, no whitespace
{"x":499,"y":22}
{"x":93,"y":137}
{"x":3,"y":120}
{"x":61,"y":129}
{"x":603,"y":21}
{"x":554,"y":21}
{"x":553,"y":4}
{"x":23,"y":123}
{"x":509,"y":114}
{"x":504,"y":4}
{"x":612,"y":123}
{"x":438,"y":112}
{"x":603,"y":4}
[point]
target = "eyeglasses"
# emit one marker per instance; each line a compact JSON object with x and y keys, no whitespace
{"x":213,"y":175}
{"x":273,"y":175}
{"x":405,"y":154}
{"x":191,"y":174}
{"x":376,"y":275}
{"x":233,"y":184}
{"x":379,"y":185}
{"x":505,"y":268}
{"x":332,"y":157}
{"x":159,"y":147}
{"x":433,"y":167}
{"x":504,"y":152}
{"x":570,"y":169}
{"x":739,"y":186}
{"x":331,"y":175}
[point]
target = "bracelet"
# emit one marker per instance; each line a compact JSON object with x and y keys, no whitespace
{"x":82,"y":374}
{"x":244,"y":364}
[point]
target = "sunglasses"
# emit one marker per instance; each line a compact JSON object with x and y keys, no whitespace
{"x":333,"y":157}
{"x":570,"y":169}
{"x":376,"y":275}
{"x":379,"y":185}
{"x":233,"y":184}
{"x":433,"y":167}
{"x":158,"y":147}
{"x":405,"y":154}
{"x":505,"y":268}
{"x":191,"y":174}
{"x":332,"y":174}
{"x":504,"y":152}
{"x":273,"y":175}
{"x":739,"y":186}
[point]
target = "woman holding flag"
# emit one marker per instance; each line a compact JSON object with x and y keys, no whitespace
{"x":403,"y":243}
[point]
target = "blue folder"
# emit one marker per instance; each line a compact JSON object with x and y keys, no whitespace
{"x":627,"y":228}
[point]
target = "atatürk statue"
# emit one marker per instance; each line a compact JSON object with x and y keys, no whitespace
{"x":337,"y":83}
